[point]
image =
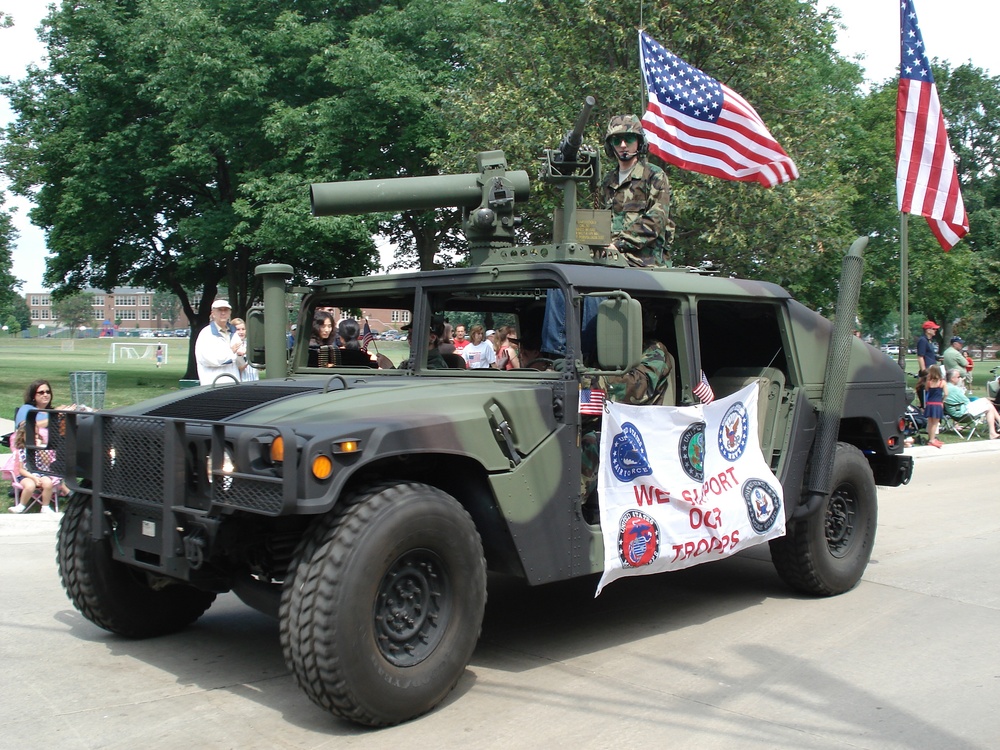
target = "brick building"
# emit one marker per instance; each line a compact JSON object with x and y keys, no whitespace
{"x":130,"y":308}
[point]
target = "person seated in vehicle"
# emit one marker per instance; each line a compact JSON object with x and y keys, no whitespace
{"x":322,"y":340}
{"x":957,"y":403}
{"x":434,"y":359}
{"x":351,"y":353}
{"x":644,"y":384}
{"x":531,"y":354}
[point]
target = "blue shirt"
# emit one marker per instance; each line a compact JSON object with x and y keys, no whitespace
{"x":927,"y":349}
{"x":22,"y":414}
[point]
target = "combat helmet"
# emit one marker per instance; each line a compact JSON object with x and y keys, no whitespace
{"x":621,"y":124}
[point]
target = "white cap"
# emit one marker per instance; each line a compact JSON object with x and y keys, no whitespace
{"x":219,"y":303}
{"x":490,"y":332}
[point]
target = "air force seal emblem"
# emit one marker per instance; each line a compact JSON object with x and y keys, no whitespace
{"x":763,"y":504}
{"x":628,"y":454}
{"x":638,"y":539}
{"x":733,"y":432}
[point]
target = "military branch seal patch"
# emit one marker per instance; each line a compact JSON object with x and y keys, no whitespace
{"x":692,"y":451}
{"x":628,"y":454}
{"x":733,"y":432}
{"x":763,"y":504}
{"x":638,"y":539}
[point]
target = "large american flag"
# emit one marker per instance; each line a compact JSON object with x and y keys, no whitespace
{"x":699,"y":124}
{"x":926,"y":179}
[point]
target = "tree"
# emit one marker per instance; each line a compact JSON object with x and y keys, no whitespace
{"x":9,"y":284}
{"x":953,"y":288}
{"x":536,"y":61}
{"x":74,"y":310}
{"x":13,"y":325}
{"x":379,"y":115}
{"x":166,"y":306}
{"x":159,"y":112}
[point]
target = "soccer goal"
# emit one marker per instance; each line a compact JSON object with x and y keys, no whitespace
{"x":128,"y":350}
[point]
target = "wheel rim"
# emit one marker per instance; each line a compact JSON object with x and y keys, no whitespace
{"x":841,"y":520}
{"x":412,"y":608}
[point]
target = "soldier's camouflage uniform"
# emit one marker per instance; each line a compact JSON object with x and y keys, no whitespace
{"x":642,"y":385}
{"x":640,"y":206}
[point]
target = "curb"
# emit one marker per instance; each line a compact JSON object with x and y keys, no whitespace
{"x":29,"y":524}
{"x":953,"y":449}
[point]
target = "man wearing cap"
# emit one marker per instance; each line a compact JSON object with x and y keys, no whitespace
{"x":927,"y":352}
{"x":435,"y":361}
{"x":637,"y":193}
{"x":953,"y":358}
{"x":214,"y":350}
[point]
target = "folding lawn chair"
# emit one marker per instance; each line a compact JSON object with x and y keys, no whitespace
{"x":965,"y":426}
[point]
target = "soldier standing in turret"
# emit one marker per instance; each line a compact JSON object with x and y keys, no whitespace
{"x":638,"y":195}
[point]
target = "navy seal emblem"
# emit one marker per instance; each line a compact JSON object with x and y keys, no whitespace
{"x":638,"y":539}
{"x":692,"y":451}
{"x":628,"y":454}
{"x":763,"y":504}
{"x":733,"y":431}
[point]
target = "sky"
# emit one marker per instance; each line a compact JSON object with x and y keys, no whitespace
{"x":957,"y":31}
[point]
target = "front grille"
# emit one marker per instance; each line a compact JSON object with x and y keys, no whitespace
{"x":132,"y":459}
{"x":250,"y":494}
{"x":166,"y":461}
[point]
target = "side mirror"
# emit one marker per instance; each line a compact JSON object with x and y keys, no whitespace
{"x":619,"y":332}
{"x":255,"y":336}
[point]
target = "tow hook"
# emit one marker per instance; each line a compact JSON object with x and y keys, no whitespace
{"x":194,"y":550}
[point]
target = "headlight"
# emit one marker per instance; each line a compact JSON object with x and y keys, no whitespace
{"x":228,"y":467}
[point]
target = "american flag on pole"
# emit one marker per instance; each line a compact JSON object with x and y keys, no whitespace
{"x":926,"y":179}
{"x":699,"y":124}
{"x":592,"y":401}
{"x":366,"y":336}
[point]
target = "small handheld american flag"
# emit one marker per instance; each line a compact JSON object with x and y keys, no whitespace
{"x":366,"y":336}
{"x":703,"y":391}
{"x":591,"y":401}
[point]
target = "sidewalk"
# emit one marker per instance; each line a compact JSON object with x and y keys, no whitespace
{"x":920,"y":452}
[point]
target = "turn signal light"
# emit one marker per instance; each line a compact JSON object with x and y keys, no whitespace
{"x":278,"y":449}
{"x":322,"y":467}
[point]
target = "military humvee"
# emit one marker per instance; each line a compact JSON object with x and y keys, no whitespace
{"x":363,"y":506}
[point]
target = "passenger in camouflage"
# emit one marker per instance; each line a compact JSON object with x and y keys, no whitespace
{"x":637,"y":194}
{"x":435,"y":360}
{"x":644,"y":384}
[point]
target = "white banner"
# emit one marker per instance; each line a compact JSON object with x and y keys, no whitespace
{"x":683,"y":485}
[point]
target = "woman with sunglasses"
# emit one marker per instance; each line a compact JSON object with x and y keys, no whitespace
{"x":38,"y":396}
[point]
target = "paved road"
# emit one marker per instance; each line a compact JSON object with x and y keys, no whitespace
{"x":719,"y":656}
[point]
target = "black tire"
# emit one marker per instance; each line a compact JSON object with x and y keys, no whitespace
{"x":115,"y":596}
{"x":384,"y":606}
{"x":827,"y":553}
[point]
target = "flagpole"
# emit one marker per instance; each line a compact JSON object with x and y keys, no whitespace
{"x":904,"y":287}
